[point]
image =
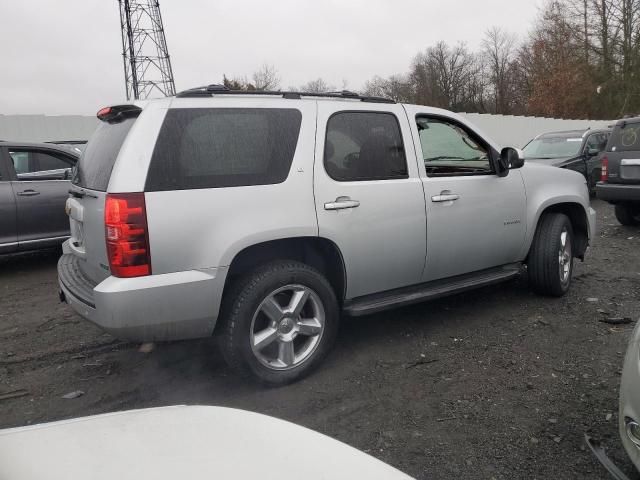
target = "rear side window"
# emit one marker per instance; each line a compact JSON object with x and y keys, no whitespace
{"x":625,"y":138}
{"x":223,"y":147}
{"x":95,"y":164}
{"x":364,"y":146}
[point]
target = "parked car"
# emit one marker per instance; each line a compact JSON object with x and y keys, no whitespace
{"x":260,"y":217}
{"x":628,"y":412}
{"x":34,"y":186}
{"x":579,"y":150}
{"x":181,"y":442}
{"x":620,"y":182}
{"x":77,"y":146}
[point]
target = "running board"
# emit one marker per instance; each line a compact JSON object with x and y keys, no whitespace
{"x":378,"y":302}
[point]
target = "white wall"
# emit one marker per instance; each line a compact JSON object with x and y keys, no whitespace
{"x":44,"y":128}
{"x":506,"y":130}
{"x":513,"y":131}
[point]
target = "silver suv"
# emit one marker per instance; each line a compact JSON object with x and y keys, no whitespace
{"x":260,"y":218}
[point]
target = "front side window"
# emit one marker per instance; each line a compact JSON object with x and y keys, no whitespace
{"x":448,"y":149}
{"x":597,"y":141}
{"x":362,"y":146}
{"x":223,"y":147}
{"x":37,"y":165}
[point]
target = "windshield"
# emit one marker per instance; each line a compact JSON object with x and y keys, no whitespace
{"x":553,"y":147}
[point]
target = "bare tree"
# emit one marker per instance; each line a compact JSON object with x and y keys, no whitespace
{"x":395,"y":87}
{"x":316,"y":86}
{"x":442,"y":74}
{"x":266,"y":78}
{"x":499,"y":49}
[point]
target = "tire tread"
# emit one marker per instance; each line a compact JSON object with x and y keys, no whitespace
{"x":239,"y":294}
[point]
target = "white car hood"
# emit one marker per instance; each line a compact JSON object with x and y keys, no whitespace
{"x":181,"y":442}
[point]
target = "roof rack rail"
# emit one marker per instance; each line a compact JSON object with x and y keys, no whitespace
{"x":211,"y":90}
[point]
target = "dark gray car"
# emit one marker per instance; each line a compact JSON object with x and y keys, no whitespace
{"x":620,"y":184}
{"x":34,"y":185}
{"x":578,"y":150}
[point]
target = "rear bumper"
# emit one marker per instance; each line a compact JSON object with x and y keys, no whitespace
{"x":172,"y":306}
{"x":618,"y":192}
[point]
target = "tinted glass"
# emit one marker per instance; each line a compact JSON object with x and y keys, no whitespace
{"x":447,"y":149}
{"x":364,"y":146}
{"x":47,"y":161}
{"x":223,"y":147}
{"x":555,"y":146}
{"x":21,"y":163}
{"x":625,"y":138}
{"x":29,"y":164}
{"x":596,"y":141}
{"x":96,"y":163}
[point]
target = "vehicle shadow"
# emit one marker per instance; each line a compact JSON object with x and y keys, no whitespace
{"x":194,"y":371}
{"x":29,"y":261}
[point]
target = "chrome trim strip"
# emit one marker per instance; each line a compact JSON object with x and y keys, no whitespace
{"x":630,"y":162}
{"x":39,"y":240}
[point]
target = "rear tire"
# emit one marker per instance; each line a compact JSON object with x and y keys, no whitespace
{"x":550,"y":264}
{"x":278,"y":322}
{"x":628,"y":213}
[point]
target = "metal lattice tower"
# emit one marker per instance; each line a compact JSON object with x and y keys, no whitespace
{"x":147,"y":68}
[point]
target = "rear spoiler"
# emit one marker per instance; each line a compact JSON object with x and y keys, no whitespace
{"x":118,"y":113}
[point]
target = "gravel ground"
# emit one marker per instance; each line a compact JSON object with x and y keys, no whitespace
{"x":496,"y":383}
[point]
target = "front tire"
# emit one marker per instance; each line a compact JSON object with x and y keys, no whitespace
{"x":279,"y":322}
{"x":628,"y":213}
{"x":550,"y":264}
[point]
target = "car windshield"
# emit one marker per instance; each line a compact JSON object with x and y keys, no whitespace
{"x":553,"y":147}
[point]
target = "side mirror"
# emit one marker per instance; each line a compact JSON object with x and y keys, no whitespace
{"x":592,"y":152}
{"x":510,"y":158}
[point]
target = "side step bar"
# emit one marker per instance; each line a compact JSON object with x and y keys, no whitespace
{"x":429,"y":291}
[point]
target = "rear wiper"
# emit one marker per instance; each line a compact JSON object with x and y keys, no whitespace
{"x":81,"y":193}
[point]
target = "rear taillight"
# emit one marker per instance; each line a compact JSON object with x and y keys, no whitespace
{"x":604,"y":169}
{"x":125,"y":222}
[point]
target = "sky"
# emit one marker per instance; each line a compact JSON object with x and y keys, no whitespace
{"x":65,"y":57}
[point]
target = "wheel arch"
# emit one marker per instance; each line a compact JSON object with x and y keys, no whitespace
{"x":579,"y":222}
{"x":317,"y":252}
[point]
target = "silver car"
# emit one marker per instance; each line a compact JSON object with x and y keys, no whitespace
{"x":262,"y":217}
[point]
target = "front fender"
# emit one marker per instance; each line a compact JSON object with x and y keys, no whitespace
{"x":559,"y":189}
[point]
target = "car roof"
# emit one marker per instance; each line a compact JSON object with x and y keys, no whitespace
{"x":624,"y":121}
{"x":47,"y":146}
{"x":215,"y":90}
{"x":575,"y":133}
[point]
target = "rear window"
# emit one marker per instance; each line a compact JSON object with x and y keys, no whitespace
{"x":95,"y":164}
{"x":223,"y":147}
{"x":625,"y":138}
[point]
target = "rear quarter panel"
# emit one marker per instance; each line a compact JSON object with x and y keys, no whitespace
{"x":206,"y":228}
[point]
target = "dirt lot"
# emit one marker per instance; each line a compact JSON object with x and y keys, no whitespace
{"x":497,"y":383}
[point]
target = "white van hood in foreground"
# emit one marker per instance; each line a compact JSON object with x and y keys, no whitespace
{"x":181,"y":442}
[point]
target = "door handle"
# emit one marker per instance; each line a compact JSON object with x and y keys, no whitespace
{"x":341,"y":203}
{"x":445,"y":197}
{"x":28,"y":193}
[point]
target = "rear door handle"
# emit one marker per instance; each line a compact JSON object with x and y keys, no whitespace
{"x":445,"y":197}
{"x":341,"y":203}
{"x":28,"y":193}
